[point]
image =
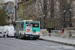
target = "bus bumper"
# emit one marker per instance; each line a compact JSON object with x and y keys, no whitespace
{"x":31,"y":36}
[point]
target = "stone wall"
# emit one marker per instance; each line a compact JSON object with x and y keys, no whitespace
{"x":56,"y":33}
{"x":68,"y":33}
{"x":44,"y":32}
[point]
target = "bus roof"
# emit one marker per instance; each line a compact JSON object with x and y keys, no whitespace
{"x":27,"y":20}
{"x":35,"y":21}
{"x":18,"y":21}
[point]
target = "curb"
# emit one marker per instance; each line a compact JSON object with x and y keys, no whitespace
{"x":57,"y":42}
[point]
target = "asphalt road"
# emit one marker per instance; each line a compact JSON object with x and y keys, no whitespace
{"x":22,"y":44}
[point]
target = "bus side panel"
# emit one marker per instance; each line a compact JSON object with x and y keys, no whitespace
{"x":39,"y":26}
{"x":24,"y":26}
{"x":37,"y":29}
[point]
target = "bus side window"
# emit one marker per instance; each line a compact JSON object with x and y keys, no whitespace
{"x":22,"y":26}
{"x":16,"y":27}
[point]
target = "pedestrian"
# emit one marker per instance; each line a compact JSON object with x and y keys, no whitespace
{"x":63,"y":30}
{"x":49,"y":30}
{"x":62,"y":35}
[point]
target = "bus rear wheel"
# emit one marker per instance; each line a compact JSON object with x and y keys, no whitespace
{"x":34,"y":38}
{"x":20,"y":36}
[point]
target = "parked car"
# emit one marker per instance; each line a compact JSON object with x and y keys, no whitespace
{"x":10,"y":31}
{"x":4,"y":31}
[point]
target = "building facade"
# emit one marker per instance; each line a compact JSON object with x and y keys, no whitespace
{"x":9,"y":7}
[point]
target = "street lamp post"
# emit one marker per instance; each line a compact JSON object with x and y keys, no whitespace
{"x":44,"y":21}
{"x":15,"y":13}
{"x":12,"y":19}
{"x":16,"y":8}
{"x":64,"y":25}
{"x":70,"y":24}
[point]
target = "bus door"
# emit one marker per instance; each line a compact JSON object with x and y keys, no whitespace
{"x":28,"y":28}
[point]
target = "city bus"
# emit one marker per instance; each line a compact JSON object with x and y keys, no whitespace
{"x":27,"y":29}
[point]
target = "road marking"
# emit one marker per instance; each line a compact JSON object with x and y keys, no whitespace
{"x":47,"y":46}
{"x":52,"y":48}
{"x":34,"y":43}
{"x":68,"y":47}
{"x":58,"y":49}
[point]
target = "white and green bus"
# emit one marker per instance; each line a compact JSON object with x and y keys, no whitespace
{"x":27,"y":29}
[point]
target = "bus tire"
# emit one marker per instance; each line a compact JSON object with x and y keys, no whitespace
{"x":3,"y":36}
{"x":20,"y":36}
{"x":34,"y":38}
{"x":14,"y":34}
{"x":16,"y":37}
{"x":7,"y":36}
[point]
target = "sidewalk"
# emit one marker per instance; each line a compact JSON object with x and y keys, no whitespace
{"x":67,"y":41}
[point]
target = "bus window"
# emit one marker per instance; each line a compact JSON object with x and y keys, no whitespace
{"x":35,"y":25}
{"x":28,"y":25}
{"x":28,"y":22}
{"x":19,"y":26}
